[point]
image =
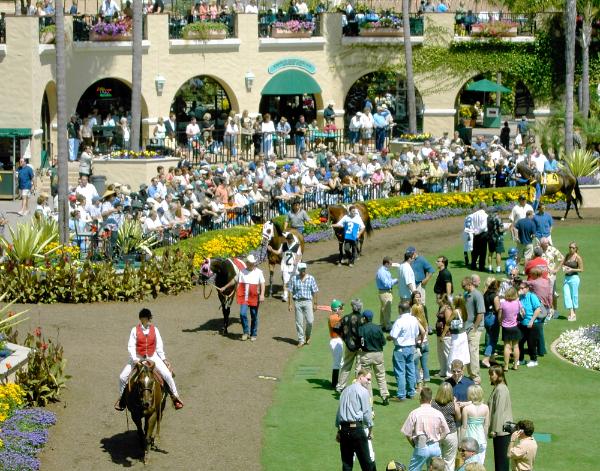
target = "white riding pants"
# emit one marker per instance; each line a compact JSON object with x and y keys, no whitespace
{"x":159,"y":365}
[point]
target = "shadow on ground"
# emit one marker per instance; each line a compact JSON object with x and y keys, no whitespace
{"x":124,"y":448}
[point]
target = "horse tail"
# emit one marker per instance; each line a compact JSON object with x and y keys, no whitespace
{"x":368,"y":226}
{"x":578,"y":195}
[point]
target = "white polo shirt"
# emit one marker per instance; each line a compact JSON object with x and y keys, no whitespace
{"x":405,"y":330}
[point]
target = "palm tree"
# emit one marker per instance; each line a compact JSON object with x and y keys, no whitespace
{"x":571,"y":23}
{"x":136,"y":76}
{"x":410,"y":78}
{"x":588,"y":9}
{"x":62,"y":142}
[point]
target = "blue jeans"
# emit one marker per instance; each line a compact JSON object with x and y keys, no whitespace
{"x":253,"y":319}
{"x":423,"y":362}
{"x":403,"y":361}
{"x":300,"y":145}
{"x":379,"y":138}
{"x":422,"y":456}
{"x":491,"y":339}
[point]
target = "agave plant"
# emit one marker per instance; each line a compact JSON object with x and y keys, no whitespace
{"x":30,"y":241}
{"x":131,"y":239}
{"x":581,"y":163}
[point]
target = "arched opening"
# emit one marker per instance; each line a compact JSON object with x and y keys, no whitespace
{"x":200,"y":96}
{"x":101,"y":107}
{"x":383,"y":88}
{"x":471,"y":105}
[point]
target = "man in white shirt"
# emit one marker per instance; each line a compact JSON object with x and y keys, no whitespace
{"x":519,"y":211}
{"x":406,"y":275}
{"x":479,"y":226}
{"x":310,"y":181}
{"x":406,"y":333}
{"x":192,"y":131}
{"x":87,"y":190}
{"x":109,"y":8}
{"x":251,"y":7}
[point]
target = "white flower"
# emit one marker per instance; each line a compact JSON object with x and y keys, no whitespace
{"x":581,"y":346}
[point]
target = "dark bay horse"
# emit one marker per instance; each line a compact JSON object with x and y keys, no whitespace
{"x":334,"y":213}
{"x":274,"y":237}
{"x":567,"y":184}
{"x":146,"y":397}
{"x":220,"y":271}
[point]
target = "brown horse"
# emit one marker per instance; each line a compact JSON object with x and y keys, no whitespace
{"x":219,"y":271}
{"x":334,"y":213}
{"x":567,"y":185}
{"x":273,"y":236}
{"x":146,"y":397}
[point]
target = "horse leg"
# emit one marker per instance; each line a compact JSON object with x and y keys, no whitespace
{"x":341,"y":250}
{"x":569,"y":198}
{"x":271,"y":271}
{"x":577,"y":208}
{"x":148,"y":436}
{"x":226,"y":310}
{"x":140,"y":429}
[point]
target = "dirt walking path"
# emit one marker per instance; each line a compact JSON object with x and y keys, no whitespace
{"x":225,"y":400}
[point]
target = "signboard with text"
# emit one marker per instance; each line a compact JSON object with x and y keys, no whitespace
{"x":292,"y":62}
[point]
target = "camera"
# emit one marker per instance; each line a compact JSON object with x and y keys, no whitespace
{"x":510,"y":427}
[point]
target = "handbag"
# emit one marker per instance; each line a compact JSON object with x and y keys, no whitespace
{"x":456,"y":325}
{"x":489,"y":319}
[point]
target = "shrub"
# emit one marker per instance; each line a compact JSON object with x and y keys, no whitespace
{"x":202,"y":29}
{"x":581,"y":163}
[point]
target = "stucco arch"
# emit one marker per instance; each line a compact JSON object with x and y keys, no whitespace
{"x":77,"y":94}
{"x":231,"y":96}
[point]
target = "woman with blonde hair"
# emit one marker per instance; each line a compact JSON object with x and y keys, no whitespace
{"x":444,"y":402}
{"x":442,"y":331}
{"x":509,"y":310}
{"x":476,"y":420}
{"x":418,"y":311}
{"x":572,"y":266}
{"x":459,"y":344}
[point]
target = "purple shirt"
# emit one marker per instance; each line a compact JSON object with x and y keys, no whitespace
{"x":510,"y":311}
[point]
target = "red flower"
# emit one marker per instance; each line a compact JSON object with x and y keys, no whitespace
{"x":44,"y":347}
{"x":8,"y":365}
{"x":11,"y":313}
{"x":37,"y":332}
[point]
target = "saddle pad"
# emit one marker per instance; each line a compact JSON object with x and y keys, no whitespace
{"x":158,"y":378}
{"x":552,"y":179}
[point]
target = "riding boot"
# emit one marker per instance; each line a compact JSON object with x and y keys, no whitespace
{"x":335,"y":374}
{"x":176,"y":402}
{"x":120,"y":404}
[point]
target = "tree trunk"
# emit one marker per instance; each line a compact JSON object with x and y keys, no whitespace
{"x":410,"y":79}
{"x":586,"y":38}
{"x":62,"y":143}
{"x":136,"y":76}
{"x":571,"y":22}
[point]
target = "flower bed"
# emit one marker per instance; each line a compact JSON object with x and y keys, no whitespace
{"x":581,"y":346}
{"x":23,"y":432}
{"x":415,"y":137}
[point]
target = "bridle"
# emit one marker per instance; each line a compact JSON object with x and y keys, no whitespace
{"x":207,"y":277}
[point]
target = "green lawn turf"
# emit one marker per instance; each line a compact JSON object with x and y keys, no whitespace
{"x":561,"y":399}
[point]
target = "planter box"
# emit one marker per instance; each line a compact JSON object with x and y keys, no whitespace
{"x":13,"y":362}
{"x":286,"y":33}
{"x":591,"y":196}
{"x":47,"y":38}
{"x":481,"y":30}
{"x":102,"y":37}
{"x":209,"y":35}
{"x":132,"y":172}
{"x":381,"y":32}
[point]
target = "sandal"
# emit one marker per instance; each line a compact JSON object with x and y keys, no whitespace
{"x":572,"y":318}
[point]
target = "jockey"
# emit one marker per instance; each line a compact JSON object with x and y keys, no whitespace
{"x":145,"y":343}
{"x":354,"y":227}
{"x":291,"y":255}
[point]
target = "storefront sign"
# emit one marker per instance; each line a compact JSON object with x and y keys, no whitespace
{"x":104,"y":92}
{"x":292,"y":62}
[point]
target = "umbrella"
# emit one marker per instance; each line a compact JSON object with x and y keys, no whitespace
{"x":487,"y":86}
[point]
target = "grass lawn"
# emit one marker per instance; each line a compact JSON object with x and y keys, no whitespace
{"x":560,"y":398}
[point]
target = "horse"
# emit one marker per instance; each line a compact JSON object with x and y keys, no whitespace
{"x":145,"y":397}
{"x":220,"y":271}
{"x":567,"y":184}
{"x":273,"y":236}
{"x":335,"y":213}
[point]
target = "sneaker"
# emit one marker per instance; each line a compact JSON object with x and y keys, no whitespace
{"x":300,"y":344}
{"x":490,"y":269}
{"x":245,"y":337}
{"x":522,"y":362}
{"x":531,"y":364}
{"x":252,"y":339}
{"x":308,"y":341}
{"x":498,"y":269}
{"x":385,"y":402}
{"x":351,"y":265}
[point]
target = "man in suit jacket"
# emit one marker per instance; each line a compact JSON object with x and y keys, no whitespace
{"x":171,"y":129}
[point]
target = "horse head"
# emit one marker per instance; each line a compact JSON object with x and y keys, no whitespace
{"x":268,"y":231}
{"x":145,"y":383}
{"x":206,"y":273}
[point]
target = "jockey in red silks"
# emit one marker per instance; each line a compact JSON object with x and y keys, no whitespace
{"x":145,"y":343}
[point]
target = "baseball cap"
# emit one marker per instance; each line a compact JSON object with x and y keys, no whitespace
{"x":411,"y":250}
{"x":368,"y":314}
{"x":336,"y":304}
{"x":302,"y":266}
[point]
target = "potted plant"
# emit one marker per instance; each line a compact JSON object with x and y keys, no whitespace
{"x":292,"y":29}
{"x":204,"y":30}
{"x":387,"y":26}
{"x":120,"y":30}
{"x":48,"y":34}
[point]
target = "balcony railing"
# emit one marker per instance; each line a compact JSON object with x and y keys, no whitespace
{"x":2,"y":29}
{"x":178,"y":22}
{"x":266,"y":20}
{"x":82,"y":26}
{"x":494,"y":24}
{"x":356,"y":22}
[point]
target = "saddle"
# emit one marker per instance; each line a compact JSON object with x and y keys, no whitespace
{"x":136,"y":372}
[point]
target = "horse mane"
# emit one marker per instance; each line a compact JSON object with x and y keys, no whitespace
{"x":277,"y":227}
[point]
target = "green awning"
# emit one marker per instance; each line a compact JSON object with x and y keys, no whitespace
{"x":15,"y":132}
{"x":291,"y":82}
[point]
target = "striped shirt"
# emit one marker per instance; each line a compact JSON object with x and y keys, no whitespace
{"x":303,"y":288}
